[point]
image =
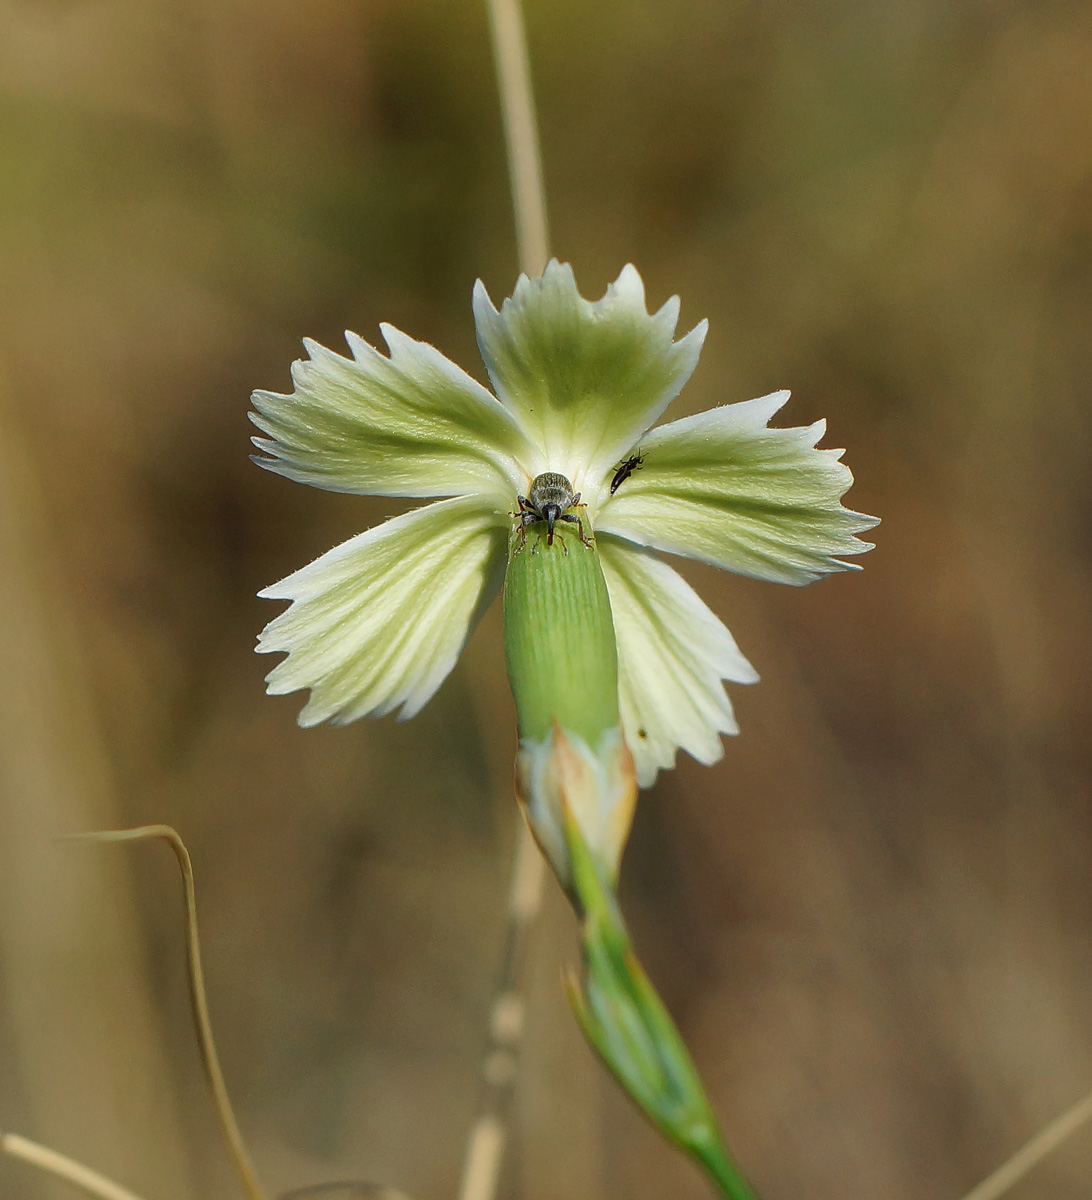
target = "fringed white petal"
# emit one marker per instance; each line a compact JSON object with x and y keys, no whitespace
{"x":378,"y":622}
{"x":724,"y":488}
{"x":673,"y":654}
{"x":412,"y":424}
{"x":585,"y":379}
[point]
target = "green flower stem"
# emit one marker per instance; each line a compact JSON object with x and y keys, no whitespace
{"x":627,"y":1024}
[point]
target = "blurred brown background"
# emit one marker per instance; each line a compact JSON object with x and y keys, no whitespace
{"x":873,"y":919}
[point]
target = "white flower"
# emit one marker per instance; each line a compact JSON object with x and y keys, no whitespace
{"x":377,"y":623}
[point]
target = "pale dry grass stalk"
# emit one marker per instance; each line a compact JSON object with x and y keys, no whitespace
{"x":1033,"y":1152}
{"x":521,"y":134}
{"x":488,"y":1136}
{"x":62,"y":1167}
{"x":485,"y":1149}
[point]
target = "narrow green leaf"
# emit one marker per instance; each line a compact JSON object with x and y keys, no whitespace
{"x":626,"y":1023}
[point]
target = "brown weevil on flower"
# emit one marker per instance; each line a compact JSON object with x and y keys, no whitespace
{"x":551,"y":498}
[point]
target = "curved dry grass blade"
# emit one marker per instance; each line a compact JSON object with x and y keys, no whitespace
{"x":198,"y":1002}
{"x":1033,"y":1152}
{"x":62,"y":1167}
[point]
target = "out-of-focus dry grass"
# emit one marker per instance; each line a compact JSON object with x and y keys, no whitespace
{"x":873,"y":918}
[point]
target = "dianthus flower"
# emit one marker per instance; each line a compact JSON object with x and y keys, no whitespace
{"x":377,"y":623}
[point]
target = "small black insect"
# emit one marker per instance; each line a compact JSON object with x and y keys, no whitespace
{"x":551,"y":498}
{"x":625,"y":470}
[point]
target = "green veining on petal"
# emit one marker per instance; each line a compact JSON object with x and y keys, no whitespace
{"x":724,"y":487}
{"x":408,"y":424}
{"x":585,"y":378}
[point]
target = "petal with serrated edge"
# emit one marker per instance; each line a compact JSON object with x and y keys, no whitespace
{"x":724,"y":488}
{"x":673,"y":654}
{"x":584,"y":378}
{"x":411,"y":424}
{"x":378,"y":622}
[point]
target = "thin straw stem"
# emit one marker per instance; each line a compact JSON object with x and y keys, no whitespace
{"x":1033,"y":1152}
{"x":205,"y":1041}
{"x":500,"y":1068}
{"x":488,"y":1137}
{"x":62,"y":1167}
{"x":521,"y":134}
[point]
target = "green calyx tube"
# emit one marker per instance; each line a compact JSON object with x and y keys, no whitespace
{"x":559,"y":636}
